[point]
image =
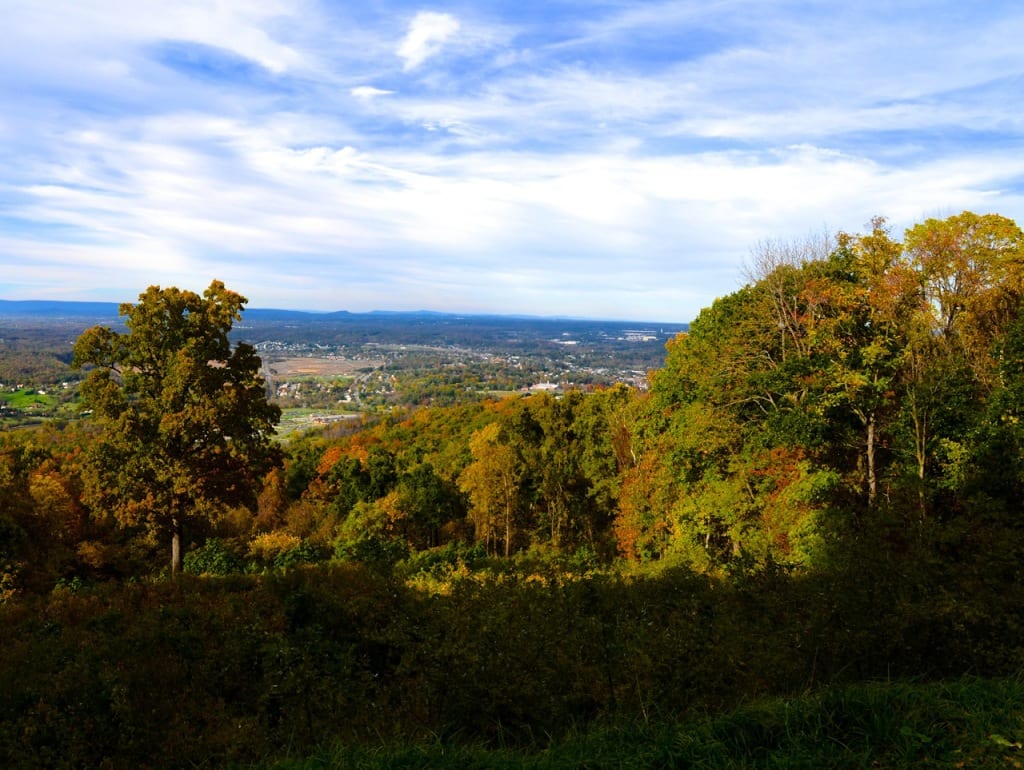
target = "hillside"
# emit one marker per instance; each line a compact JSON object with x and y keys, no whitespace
{"x":820,"y":488}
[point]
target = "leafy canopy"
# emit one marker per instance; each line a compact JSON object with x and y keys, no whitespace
{"x":186,"y":422}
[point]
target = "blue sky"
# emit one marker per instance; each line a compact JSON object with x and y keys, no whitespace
{"x":596,"y":159}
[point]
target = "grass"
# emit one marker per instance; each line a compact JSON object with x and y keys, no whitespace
{"x":25,"y":407}
{"x":968,"y":723}
{"x":28,"y":398}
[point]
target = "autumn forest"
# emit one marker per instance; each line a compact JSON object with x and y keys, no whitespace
{"x":821,"y":487}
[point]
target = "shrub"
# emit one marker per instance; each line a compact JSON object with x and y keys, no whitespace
{"x":213,"y":558}
{"x":267,"y":546}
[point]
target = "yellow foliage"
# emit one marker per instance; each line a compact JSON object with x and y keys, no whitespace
{"x":267,"y":545}
{"x":8,"y":588}
{"x":94,"y":553}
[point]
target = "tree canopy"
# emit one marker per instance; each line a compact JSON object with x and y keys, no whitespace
{"x":185,"y":418}
{"x":862,"y":389}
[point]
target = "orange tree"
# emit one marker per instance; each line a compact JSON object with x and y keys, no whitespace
{"x":186,"y":423}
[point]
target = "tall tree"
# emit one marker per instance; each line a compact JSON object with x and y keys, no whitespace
{"x":492,"y":482}
{"x":972,"y":271}
{"x":186,"y":423}
{"x":862,"y":305}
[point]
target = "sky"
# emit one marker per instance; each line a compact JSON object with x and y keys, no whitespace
{"x":604,"y":159}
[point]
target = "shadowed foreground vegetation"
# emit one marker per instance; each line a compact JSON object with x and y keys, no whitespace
{"x":954,"y":725}
{"x":242,"y":669}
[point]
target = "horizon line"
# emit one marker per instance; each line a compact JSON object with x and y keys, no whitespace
{"x":379,"y":311}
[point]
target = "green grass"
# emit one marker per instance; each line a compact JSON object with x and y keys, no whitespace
{"x":969,"y":723}
{"x":27,"y":407}
{"x":28,"y":398}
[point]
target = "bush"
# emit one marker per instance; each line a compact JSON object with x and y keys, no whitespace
{"x":267,"y":546}
{"x":221,"y":670}
{"x":444,"y":560}
{"x":213,"y":558}
{"x":303,"y":553}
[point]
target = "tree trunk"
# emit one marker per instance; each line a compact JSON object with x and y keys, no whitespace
{"x":920,"y":450}
{"x":508,"y":484}
{"x":508,"y":530}
{"x":872,"y":480}
{"x":175,"y":547}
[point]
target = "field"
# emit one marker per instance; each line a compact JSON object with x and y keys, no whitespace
{"x":28,"y":399}
{"x":291,"y":367}
{"x":29,"y":406}
{"x":300,"y":419}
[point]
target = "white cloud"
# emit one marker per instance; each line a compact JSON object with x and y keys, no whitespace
{"x":427,"y":34}
{"x":101,"y":33}
{"x":617,"y":152}
{"x":215,"y":194}
{"x":368,"y":92}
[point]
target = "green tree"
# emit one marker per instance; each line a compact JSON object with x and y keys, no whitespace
{"x":859,"y":328}
{"x":186,"y":423}
{"x":969,"y":270}
{"x":493,"y":484}
{"x":429,"y":502}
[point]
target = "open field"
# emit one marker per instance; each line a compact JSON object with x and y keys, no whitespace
{"x":321,"y":366}
{"x":302,"y":419}
{"x":29,"y":406}
{"x":28,"y":398}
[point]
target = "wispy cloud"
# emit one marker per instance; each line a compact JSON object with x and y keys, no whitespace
{"x":427,"y":34}
{"x":618,"y":162}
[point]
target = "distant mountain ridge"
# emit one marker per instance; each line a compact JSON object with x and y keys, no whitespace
{"x":74,"y":309}
{"x":105,"y":311}
{"x":45,"y":308}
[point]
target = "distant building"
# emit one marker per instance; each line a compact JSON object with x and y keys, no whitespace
{"x":327,"y":419}
{"x":639,"y":335}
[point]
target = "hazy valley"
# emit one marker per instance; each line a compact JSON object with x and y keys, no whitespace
{"x":325,"y":366}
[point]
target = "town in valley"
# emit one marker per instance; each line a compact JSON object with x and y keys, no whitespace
{"x":324,"y":368}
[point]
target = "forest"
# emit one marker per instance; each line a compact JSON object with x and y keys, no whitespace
{"x":821,"y":488}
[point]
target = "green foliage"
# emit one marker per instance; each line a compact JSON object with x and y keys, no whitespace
{"x":303,"y":553}
{"x":833,"y":386}
{"x":186,"y":421}
{"x":212,"y":558}
{"x":960,"y":724}
{"x":368,"y":536}
{"x":445,"y":561}
{"x":305,"y":657}
{"x":822,"y":487}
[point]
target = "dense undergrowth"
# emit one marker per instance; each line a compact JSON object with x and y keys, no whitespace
{"x":966,"y":723}
{"x":242,"y":669}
